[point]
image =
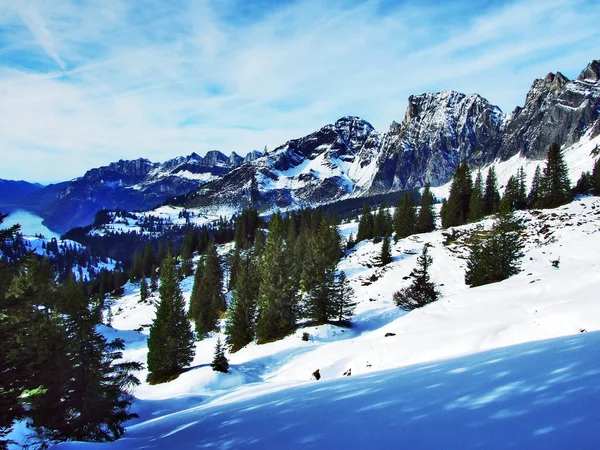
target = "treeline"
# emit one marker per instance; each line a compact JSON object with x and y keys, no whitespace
{"x":407,"y":219}
{"x":58,"y":373}
{"x":276,"y":279}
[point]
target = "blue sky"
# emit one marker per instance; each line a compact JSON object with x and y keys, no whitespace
{"x":84,"y":83}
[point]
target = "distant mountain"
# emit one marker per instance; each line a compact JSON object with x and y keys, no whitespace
{"x":351,"y":159}
{"x":348,"y":158}
{"x":130,"y":185}
{"x":12,"y":193}
{"x":331,"y":163}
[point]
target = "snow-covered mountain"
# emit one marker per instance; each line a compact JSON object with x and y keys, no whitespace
{"x":130,"y":185}
{"x":345,"y":159}
{"x":476,"y":366}
{"x":350,"y":159}
{"x":331,"y":163}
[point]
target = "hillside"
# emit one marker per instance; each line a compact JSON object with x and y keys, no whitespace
{"x":542,"y":393}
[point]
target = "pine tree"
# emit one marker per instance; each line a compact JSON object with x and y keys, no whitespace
{"x":456,"y":209}
{"x":585,"y":184}
{"x":365,"y":225}
{"x":241,"y":315}
{"x":476,"y":206}
{"x":385,"y":257}
{"x":144,"y":290}
{"x":536,"y":194}
{"x":343,"y":298}
{"x":219,"y":362}
{"x":318,"y":275}
{"x":491,"y":197}
{"x":171,"y":340}
{"x":511,"y":195}
{"x":426,"y":219}
{"x":207,"y":300}
{"x":497,"y":257}
{"x":421,"y":291}
{"x":277,"y":293}
{"x":596,"y":177}
{"x":405,"y":217}
{"x":521,"y":200}
{"x":556,"y":177}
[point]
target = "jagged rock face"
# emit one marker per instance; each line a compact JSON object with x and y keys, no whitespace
{"x":555,"y":110}
{"x":438,"y":131}
{"x":130,"y":185}
{"x":321,"y":167}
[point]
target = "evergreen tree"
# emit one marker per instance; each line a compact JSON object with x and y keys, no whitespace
{"x":596,"y":177}
{"x":277,"y":293}
{"x":96,"y":391}
{"x":405,"y":217}
{"x":585,"y":184}
{"x":511,"y":195}
{"x":421,"y":291}
{"x":497,"y":257}
{"x":521,"y":199}
{"x":456,"y":209}
{"x":476,"y":204}
{"x":491,"y":197}
{"x":343,"y":298}
{"x":365,"y":225}
{"x":556,"y":177}
{"x":536,"y":194}
{"x":318,"y":274}
{"x":171,"y":340}
{"x":426,"y":219}
{"x":241,"y":316}
{"x":144,"y":291}
{"x":219,"y":362}
{"x":207,"y":300}
{"x":385,"y":257}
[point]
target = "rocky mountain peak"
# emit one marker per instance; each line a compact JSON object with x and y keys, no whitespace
{"x":591,"y":72}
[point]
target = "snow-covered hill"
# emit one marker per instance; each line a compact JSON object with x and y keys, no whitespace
{"x":470,"y":388}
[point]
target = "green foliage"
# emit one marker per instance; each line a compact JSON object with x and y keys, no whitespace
{"x":456,"y":209}
{"x":422,"y":290}
{"x":596,"y":176}
{"x":207,"y":300}
{"x":58,"y":373}
{"x":498,"y":256}
{"x":241,"y":315}
{"x":426,"y":218}
{"x":405,"y":217}
{"x":277,"y":293}
{"x":585,"y":184}
{"x":219,"y":362}
{"x":476,"y":206}
{"x":556,"y":176}
{"x":385,"y":256}
{"x":537,"y":192}
{"x":343,"y":298}
{"x":144,"y":290}
{"x":365,"y":225}
{"x":171,"y":340}
{"x":491,"y":197}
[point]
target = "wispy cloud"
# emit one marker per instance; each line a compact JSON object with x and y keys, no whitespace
{"x":86,"y":83}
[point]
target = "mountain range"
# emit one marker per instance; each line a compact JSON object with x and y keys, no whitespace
{"x":346,"y":159}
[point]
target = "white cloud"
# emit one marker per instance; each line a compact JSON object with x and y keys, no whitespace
{"x":159,"y":79}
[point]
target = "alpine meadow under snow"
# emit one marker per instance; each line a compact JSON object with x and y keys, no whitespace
{"x":434,"y":285}
{"x":510,"y":364}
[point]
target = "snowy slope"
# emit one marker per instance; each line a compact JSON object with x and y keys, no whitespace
{"x":536,"y":395}
{"x":543,"y":394}
{"x":580,"y":157}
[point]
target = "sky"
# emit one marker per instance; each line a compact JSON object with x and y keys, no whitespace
{"x":85,"y":83}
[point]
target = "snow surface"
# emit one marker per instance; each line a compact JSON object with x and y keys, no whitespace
{"x":471,"y":370}
{"x":579,"y":158}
